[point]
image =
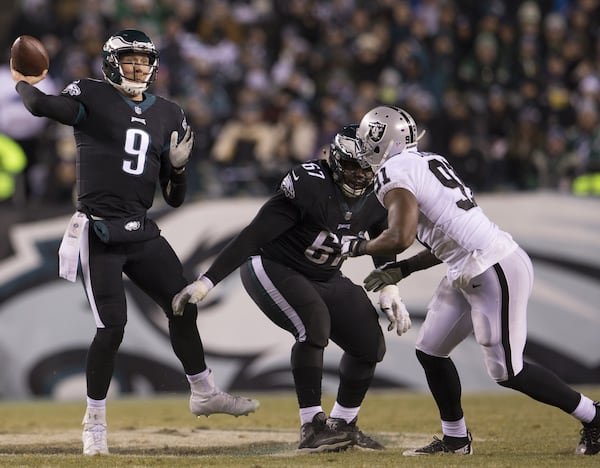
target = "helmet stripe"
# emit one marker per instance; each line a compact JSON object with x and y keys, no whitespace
{"x":411,"y":125}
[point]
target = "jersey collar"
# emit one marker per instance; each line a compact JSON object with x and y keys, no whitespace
{"x":141,"y":106}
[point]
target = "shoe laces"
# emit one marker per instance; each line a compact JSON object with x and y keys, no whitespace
{"x":590,"y":435}
{"x":435,"y":444}
{"x":439,"y":445}
{"x":95,"y":428}
{"x":339,"y":424}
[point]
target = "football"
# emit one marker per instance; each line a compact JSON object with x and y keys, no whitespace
{"x":29,"y":56}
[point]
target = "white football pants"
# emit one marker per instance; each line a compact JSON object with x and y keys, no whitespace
{"x":493,"y":306}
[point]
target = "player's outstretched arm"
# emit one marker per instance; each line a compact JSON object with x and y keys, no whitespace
{"x":60,"y":108}
{"x":394,"y":272}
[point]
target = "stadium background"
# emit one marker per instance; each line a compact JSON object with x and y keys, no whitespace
{"x":508,"y":90}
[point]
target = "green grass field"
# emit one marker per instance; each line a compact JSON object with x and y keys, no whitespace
{"x":509,"y":430}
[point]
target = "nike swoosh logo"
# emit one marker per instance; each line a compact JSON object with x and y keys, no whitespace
{"x":295,"y":177}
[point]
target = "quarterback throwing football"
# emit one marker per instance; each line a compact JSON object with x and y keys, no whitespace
{"x":128,"y":140}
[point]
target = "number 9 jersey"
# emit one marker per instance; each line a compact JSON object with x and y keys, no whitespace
{"x":123,"y":147}
{"x":450,"y":224}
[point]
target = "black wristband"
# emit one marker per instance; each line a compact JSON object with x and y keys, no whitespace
{"x":361,"y":248}
{"x":404,"y":268}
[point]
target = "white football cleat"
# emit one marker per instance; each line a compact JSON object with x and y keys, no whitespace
{"x":207,"y":399}
{"x":221,"y":402}
{"x":94,"y":432}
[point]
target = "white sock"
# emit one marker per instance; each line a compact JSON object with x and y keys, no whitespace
{"x":341,"y":412}
{"x":585,"y":411}
{"x":95,"y":413}
{"x":91,"y":403}
{"x":307,"y":414}
{"x":204,"y":382}
{"x":455,"y":428}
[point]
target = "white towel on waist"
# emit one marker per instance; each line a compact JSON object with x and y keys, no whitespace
{"x":68,"y":253}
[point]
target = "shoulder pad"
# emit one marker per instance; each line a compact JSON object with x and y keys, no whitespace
{"x":287,"y":186}
{"x":72,"y":89}
{"x":307,"y":181}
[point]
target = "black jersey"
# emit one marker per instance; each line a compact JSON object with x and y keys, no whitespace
{"x":122,"y":147}
{"x":303,"y":226}
{"x":326,"y":219}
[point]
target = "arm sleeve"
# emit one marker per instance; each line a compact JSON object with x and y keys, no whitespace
{"x":420,"y":261}
{"x":173,"y":185}
{"x":275,"y":217}
{"x":60,"y":108}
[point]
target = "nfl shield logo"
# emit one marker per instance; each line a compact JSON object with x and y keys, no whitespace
{"x":376,"y":130}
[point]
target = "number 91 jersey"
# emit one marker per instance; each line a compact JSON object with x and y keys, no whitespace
{"x":450,"y":222}
{"x":122,"y":147}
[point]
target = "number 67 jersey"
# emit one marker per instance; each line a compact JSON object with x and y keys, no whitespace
{"x":451,"y":224}
{"x":123,"y":147}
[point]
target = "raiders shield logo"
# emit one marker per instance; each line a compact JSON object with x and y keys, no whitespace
{"x":376,"y":131}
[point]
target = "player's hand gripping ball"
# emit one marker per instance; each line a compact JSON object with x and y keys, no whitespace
{"x":29,"y":56}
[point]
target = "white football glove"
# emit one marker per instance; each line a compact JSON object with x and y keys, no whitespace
{"x":391,"y":304}
{"x":381,"y":277}
{"x":179,"y":153}
{"x":192,"y":293}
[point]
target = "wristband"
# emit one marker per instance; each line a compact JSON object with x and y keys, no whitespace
{"x":404,"y":268}
{"x":207,"y":282}
{"x":361,"y":248}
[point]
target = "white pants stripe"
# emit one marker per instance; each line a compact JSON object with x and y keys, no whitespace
{"x":278,"y":298}
{"x":493,"y":306}
{"x":84,"y":257}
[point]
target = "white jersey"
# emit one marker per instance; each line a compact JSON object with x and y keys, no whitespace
{"x":450,"y":222}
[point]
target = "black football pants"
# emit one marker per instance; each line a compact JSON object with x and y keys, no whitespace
{"x":314,"y":312}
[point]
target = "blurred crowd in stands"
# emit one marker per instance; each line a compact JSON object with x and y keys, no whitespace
{"x":508,"y":90}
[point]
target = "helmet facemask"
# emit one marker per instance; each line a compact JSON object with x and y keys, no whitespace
{"x":385,"y":131}
{"x":123,"y":44}
{"x":352,"y":174}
